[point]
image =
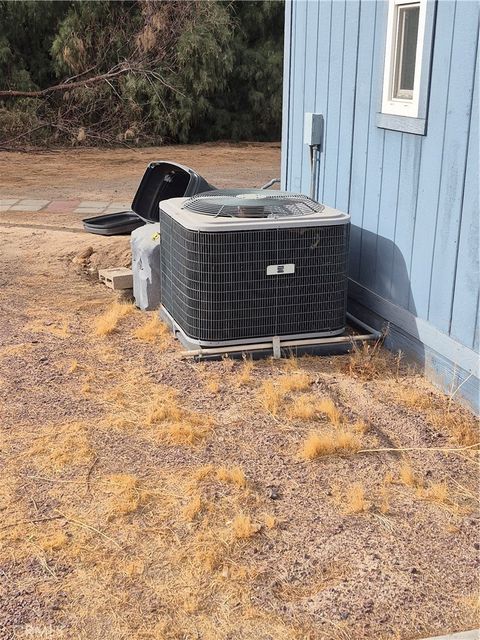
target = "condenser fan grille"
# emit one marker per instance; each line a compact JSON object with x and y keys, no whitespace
{"x":254,"y":203}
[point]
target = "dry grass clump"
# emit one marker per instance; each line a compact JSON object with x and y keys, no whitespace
{"x":297,"y":381}
{"x":73,"y":366}
{"x":243,"y":527}
{"x":360,"y":427}
{"x":62,"y":446}
{"x":327,"y":407}
{"x":441,"y":413}
{"x":189,"y":431}
{"x":107,"y":323}
{"x":193,"y":508}
{"x":271,"y":397}
{"x":213,"y":386}
{"x":126,"y":495}
{"x":234,"y":475}
{"x":244,"y":377}
{"x":291,"y":362}
{"x":272,"y":393}
{"x":322,"y":444}
{"x":435,"y":492}
{"x":355,"y":501}
{"x":270,"y":521}
{"x":164,"y":406}
{"x":303,"y":408}
{"x":407,"y":475}
{"x":369,"y":361}
{"x":53,"y":542}
{"x":153,"y":330}
{"x":139,"y":403}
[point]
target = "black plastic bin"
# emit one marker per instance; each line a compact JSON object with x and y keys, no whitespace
{"x":162,"y":180}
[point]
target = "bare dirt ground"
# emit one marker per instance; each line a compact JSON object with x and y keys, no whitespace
{"x":145,"y":496}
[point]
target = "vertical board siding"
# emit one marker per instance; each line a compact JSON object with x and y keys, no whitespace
{"x":386,"y":224}
{"x":366,"y":45}
{"x":464,"y":313}
{"x":374,"y":174}
{"x":454,"y":152}
{"x":413,"y":199}
{"x":348,"y":90}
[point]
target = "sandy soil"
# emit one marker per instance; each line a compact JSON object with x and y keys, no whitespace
{"x":114,"y":175}
{"x":129,"y":512}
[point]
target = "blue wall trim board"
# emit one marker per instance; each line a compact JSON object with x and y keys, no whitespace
{"x":413,"y":199}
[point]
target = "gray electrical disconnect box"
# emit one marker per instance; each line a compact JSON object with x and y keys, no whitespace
{"x":313,"y":129}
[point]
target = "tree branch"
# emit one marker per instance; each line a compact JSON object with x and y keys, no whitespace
{"x":66,"y":86}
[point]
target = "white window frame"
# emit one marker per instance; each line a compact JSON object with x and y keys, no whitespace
{"x":398,"y":106}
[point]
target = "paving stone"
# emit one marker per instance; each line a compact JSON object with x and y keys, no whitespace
{"x":34,"y":203}
{"x":8,"y":201}
{"x":96,"y":204}
{"x":26,"y":207}
{"x":88,"y":210}
{"x":63,"y":205}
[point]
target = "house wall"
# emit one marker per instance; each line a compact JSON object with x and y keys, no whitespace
{"x":414,"y":200}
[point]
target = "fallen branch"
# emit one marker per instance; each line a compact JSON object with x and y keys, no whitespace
{"x":400,"y":449}
{"x":89,"y":527}
{"x":66,"y":86}
{"x":15,"y":524}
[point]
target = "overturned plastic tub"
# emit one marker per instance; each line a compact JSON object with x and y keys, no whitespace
{"x":161,"y":181}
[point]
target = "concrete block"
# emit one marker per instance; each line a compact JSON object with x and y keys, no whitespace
{"x":8,"y":201}
{"x":117,"y":278}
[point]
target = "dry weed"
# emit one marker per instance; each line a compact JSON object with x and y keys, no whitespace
{"x":213,"y":386}
{"x":107,"y":323}
{"x":244,"y":377}
{"x":125,"y":495}
{"x":369,"y":361}
{"x":297,"y":381}
{"x":385,"y":502}
{"x":407,"y":475}
{"x":61,"y":446}
{"x":355,"y":499}
{"x":235,"y":475}
{"x":53,"y":542}
{"x":303,"y":408}
{"x":193,"y":508}
{"x":322,"y":444}
{"x":360,"y":427}
{"x":271,"y":397}
{"x":153,"y":330}
{"x":164,"y":406}
{"x":435,"y":492}
{"x":270,"y":521}
{"x":243,"y":527}
{"x":73,"y":367}
{"x":441,"y":413}
{"x":327,"y":407}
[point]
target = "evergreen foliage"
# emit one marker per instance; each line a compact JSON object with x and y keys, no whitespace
{"x":156,"y":70}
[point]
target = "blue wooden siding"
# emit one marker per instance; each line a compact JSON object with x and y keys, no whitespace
{"x":413,"y":199}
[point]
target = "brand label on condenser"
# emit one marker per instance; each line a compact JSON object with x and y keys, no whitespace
{"x":277,"y":269}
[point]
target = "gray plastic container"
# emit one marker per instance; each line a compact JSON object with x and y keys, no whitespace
{"x":145,"y":243}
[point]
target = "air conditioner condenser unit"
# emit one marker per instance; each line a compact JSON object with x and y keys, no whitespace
{"x":240,"y":267}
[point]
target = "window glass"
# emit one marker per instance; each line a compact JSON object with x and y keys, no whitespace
{"x":406,"y":51}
